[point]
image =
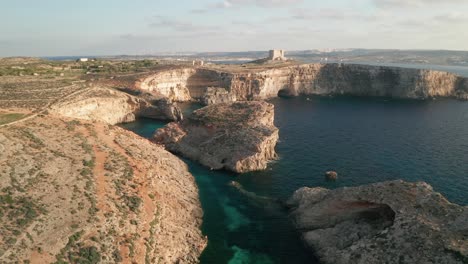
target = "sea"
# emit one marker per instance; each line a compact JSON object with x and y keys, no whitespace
{"x":365,"y":140}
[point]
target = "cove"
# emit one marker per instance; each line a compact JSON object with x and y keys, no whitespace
{"x":364,"y":139}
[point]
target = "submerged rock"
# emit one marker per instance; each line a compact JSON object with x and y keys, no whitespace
{"x":389,"y":222}
{"x":331,"y":175}
{"x":240,"y":136}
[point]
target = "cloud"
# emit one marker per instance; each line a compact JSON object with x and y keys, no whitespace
{"x":451,"y":18}
{"x":228,"y":4}
{"x":413,"y":3}
{"x":330,"y":14}
{"x":162,"y":22}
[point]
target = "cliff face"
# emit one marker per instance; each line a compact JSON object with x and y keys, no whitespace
{"x":182,"y":84}
{"x":113,"y":107}
{"x":359,"y":80}
{"x":240,"y":137}
{"x":81,"y":192}
{"x":389,"y":222}
{"x":308,"y":79}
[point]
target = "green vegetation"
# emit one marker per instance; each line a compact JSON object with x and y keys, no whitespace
{"x":133,"y":202}
{"x":150,"y":243}
{"x":11,"y":117}
{"x":74,"y":252}
{"x":37,"y":142}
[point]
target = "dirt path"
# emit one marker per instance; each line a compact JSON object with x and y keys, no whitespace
{"x":47,"y":107}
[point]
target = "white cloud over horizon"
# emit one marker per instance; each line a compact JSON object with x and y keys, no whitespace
{"x":142,"y":27}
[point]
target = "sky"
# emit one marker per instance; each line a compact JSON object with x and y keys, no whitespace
{"x":137,"y":27}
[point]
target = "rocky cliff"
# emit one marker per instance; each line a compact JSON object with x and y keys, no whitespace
{"x":113,"y":107}
{"x":80,"y":192}
{"x":182,"y":84}
{"x":337,"y":79}
{"x":240,"y":137}
{"x":389,"y":222}
{"x":308,"y":79}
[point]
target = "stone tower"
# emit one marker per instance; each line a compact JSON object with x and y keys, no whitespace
{"x":276,"y":55}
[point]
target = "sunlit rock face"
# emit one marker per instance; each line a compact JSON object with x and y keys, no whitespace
{"x":239,"y":136}
{"x":309,"y":79}
{"x":389,"y":222}
{"x":182,"y":84}
{"x":113,"y":107}
{"x":340,"y":79}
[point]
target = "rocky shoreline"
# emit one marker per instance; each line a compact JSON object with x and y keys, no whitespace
{"x":388,"y":222}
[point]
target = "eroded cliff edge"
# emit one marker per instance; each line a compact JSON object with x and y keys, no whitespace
{"x":388,"y":222}
{"x":240,"y":136}
{"x":113,"y":107}
{"x":259,"y":83}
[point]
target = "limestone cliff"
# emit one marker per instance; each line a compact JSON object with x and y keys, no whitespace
{"x":216,"y":95}
{"x":79,"y":192}
{"x":113,"y":107}
{"x":337,"y":79}
{"x":389,"y":222}
{"x":182,"y":84}
{"x":240,"y":137}
{"x":309,"y":79}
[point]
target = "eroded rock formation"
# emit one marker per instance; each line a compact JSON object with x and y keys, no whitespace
{"x":389,"y":222}
{"x":239,"y":136}
{"x":259,"y":83}
{"x":112,"y":107}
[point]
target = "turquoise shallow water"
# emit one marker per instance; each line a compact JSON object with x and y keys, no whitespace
{"x":364,"y":139}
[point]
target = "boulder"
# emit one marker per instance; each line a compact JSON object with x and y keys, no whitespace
{"x":331,"y":175}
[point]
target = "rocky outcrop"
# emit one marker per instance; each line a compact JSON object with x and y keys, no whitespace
{"x":389,"y":222}
{"x":239,"y":136}
{"x":260,"y":83}
{"x":80,"y":192}
{"x":216,"y":95}
{"x":112,"y":107}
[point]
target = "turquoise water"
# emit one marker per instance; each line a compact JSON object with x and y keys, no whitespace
{"x":364,"y":139}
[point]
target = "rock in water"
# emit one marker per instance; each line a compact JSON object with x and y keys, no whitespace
{"x":331,"y":175}
{"x":239,"y":136}
{"x":389,"y":222}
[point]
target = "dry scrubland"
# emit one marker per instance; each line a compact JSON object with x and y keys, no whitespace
{"x":89,"y":192}
{"x":86,"y":192}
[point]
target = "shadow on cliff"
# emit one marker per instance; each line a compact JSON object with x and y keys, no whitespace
{"x":357,"y":80}
{"x":203,"y":78}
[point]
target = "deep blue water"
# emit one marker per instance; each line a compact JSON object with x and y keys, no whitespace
{"x":364,"y":139}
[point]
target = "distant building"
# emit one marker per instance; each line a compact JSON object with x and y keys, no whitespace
{"x":198,"y":63}
{"x":82,"y":60}
{"x":276,"y":55}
